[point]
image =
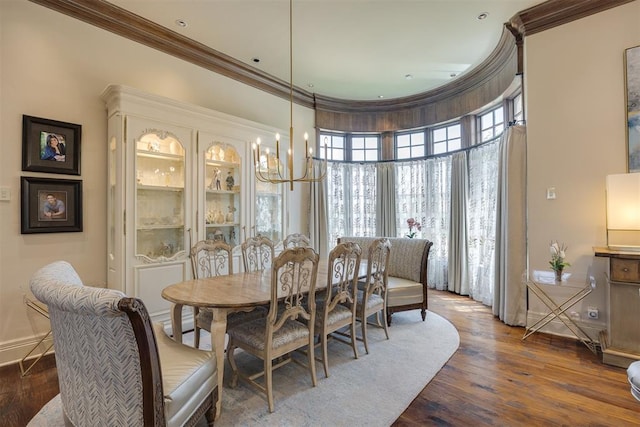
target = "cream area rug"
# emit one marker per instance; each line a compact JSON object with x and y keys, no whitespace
{"x":372,"y":390}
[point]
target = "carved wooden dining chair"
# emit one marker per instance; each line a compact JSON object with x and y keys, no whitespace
{"x":208,"y":259}
{"x":372,"y":298}
{"x":295,"y":240}
{"x":257,"y":253}
{"x":287,"y":327}
{"x":336,"y":309}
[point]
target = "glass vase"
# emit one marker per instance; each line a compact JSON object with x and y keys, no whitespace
{"x":558,"y":275}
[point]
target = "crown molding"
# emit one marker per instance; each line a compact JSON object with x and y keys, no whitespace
{"x":117,"y":20}
{"x":553,"y":13}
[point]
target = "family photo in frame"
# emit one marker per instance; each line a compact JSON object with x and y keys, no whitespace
{"x":50,"y":205}
{"x":50,"y":146}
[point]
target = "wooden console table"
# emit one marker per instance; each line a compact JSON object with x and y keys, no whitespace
{"x":621,"y":340}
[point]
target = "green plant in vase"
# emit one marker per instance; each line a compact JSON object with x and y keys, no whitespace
{"x":558,"y":263}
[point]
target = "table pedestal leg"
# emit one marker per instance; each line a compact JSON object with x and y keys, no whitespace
{"x":218,"y":331}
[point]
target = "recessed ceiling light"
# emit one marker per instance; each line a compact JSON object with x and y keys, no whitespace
{"x":309,"y":84}
{"x":256,"y":60}
{"x":408,"y":76}
{"x":380,"y":96}
{"x":181,"y":23}
{"x":483,"y":15}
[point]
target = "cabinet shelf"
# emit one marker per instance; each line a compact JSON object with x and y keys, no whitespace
{"x":222,"y":224}
{"x":223,"y":192}
{"x":159,"y":188}
{"x":159,"y":227}
{"x":222,"y":164}
{"x":159,"y":155}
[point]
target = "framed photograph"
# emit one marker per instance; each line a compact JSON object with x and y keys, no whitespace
{"x":50,"y":146}
{"x":51,"y":205}
{"x":632,"y":94}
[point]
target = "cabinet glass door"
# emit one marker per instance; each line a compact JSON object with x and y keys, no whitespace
{"x":269,"y":202}
{"x":223,"y":207}
{"x":160,"y":197}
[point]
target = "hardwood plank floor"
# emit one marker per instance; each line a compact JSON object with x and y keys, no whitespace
{"x":494,"y":379}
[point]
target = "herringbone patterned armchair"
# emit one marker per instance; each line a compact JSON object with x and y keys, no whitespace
{"x":114,"y":367}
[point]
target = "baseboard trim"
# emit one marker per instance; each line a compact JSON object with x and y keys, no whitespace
{"x":12,"y":353}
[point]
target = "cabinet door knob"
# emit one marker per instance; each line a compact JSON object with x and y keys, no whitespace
{"x":626,"y":270}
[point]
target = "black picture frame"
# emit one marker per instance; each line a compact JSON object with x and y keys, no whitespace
{"x":38,"y":136}
{"x":40,"y":201}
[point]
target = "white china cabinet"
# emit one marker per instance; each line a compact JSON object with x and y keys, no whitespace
{"x":178,"y":173}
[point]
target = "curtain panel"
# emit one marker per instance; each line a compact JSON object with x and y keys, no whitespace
{"x":509,"y":302}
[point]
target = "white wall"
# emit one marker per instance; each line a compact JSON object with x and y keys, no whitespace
{"x":575,"y":108}
{"x":56,"y":67}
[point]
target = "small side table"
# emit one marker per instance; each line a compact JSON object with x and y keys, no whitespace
{"x":40,"y":309}
{"x":558,"y":309}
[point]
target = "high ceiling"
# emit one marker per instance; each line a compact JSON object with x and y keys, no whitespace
{"x":347,"y":49}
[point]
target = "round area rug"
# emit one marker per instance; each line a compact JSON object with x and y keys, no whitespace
{"x":372,"y":390}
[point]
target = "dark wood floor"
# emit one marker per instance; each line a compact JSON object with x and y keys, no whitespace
{"x":494,"y":379}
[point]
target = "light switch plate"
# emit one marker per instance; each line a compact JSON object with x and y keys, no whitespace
{"x":5,"y":193}
{"x":551,"y":193}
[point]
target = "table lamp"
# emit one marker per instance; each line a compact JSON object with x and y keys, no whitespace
{"x":623,"y":212}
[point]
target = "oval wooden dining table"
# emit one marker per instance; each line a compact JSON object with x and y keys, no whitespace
{"x":223,"y":295}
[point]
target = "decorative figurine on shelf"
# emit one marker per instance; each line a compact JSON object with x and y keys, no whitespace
{"x":230,"y":181}
{"x":232,"y":237}
{"x":218,"y":236}
{"x":210,"y":218}
{"x":217,"y":175}
{"x":153,"y":146}
{"x":232,"y":209}
{"x":219,"y":217}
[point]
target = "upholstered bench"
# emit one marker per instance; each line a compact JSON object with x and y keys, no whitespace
{"x":407,"y":279}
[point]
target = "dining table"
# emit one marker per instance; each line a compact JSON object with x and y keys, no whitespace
{"x":227,"y":294}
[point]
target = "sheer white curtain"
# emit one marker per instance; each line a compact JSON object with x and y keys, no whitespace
{"x":351,"y":200}
{"x":411,"y":197}
{"x":481,"y":221}
{"x":437,"y":217}
{"x":423,"y":192}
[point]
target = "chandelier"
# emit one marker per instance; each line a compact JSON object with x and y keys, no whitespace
{"x":271,"y":170}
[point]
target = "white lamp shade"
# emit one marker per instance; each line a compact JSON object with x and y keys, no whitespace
{"x":623,"y":201}
{"x":623,"y":212}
